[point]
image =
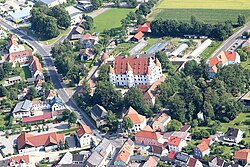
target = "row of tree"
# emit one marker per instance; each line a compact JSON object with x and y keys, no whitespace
{"x":175,"y":28}
{"x":46,"y":22}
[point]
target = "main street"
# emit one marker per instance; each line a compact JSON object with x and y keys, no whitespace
{"x":70,"y":103}
{"x":231,"y":40}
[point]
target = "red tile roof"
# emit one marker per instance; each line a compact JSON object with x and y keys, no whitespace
{"x":148,"y":134}
{"x":21,"y":158}
{"x":88,"y":36}
{"x":82,"y":129}
{"x":139,"y":65}
{"x":134,"y":116}
{"x":175,"y":141}
{"x":13,"y":56}
{"x":46,"y":115}
{"x":26,"y":139}
{"x":144,"y":28}
{"x":138,"y":36}
{"x":242,"y":155}
{"x":172,"y":155}
{"x":213,"y":61}
{"x":192,"y":162}
{"x":36,"y":65}
{"x":231,"y":56}
{"x":203,"y":146}
{"x":208,"y":141}
{"x":126,"y":151}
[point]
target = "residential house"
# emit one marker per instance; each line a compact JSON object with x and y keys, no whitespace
{"x":98,"y":113}
{"x":74,"y":160}
{"x":124,"y":154}
{"x":27,"y":142}
{"x":52,"y":3}
{"x":185,"y":128}
{"x":22,"y":109}
{"x":87,"y":54}
{"x":13,"y":45}
{"x":134,"y":71}
{"x":181,"y":159}
{"x":144,"y":28}
{"x":38,"y":105}
{"x":242,"y":157}
{"x":158,"y":151}
{"x":176,"y":144}
{"x":84,"y":136}
{"x":148,"y":137}
{"x":39,"y":85}
{"x":137,"y":37}
{"x":76,"y":18}
{"x":183,"y":135}
{"x":19,"y":161}
{"x":233,"y":135}
{"x":51,"y":94}
{"x":160,"y":122}
{"x":246,"y":43}
{"x":43,"y":117}
{"x":224,"y":58}
{"x":202,"y":149}
{"x":89,"y":40}
{"x":11,"y":81}
{"x":56,"y":104}
{"x":215,"y":161}
{"x":3,"y":33}
{"x":193,"y":162}
{"x":200,"y":115}
{"x":36,"y":68}
{"x":20,"y":57}
{"x":101,"y":154}
{"x":139,"y":121}
{"x":152,"y":161}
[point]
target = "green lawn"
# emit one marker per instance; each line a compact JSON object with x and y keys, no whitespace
{"x":110,"y":19}
{"x":205,"y":4}
{"x":122,"y":48}
{"x":246,"y":64}
{"x":151,"y":41}
{"x":25,"y":73}
{"x":207,"y":15}
{"x":209,"y":51}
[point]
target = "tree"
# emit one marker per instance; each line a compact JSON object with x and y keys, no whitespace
{"x":96,"y":3}
{"x":241,"y":19}
{"x":7,"y":67}
{"x":66,"y":114}
{"x":62,"y":16}
{"x":61,"y":147}
{"x":111,"y":119}
{"x":32,"y":93}
{"x":72,"y":118}
{"x":127,"y":124}
{"x":134,"y":98}
{"x":165,"y":63}
{"x":66,"y":144}
{"x":174,"y":125}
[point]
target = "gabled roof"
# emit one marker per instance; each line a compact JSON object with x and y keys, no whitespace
{"x":231,"y":56}
{"x":45,"y":116}
{"x":36,"y":65}
{"x":162,"y":118}
{"x":185,"y":128}
{"x":15,"y":55}
{"x":134,"y":116}
{"x":156,"y":149}
{"x":99,"y":111}
{"x":83,"y":129}
{"x":138,"y":36}
{"x":149,"y":134}
{"x":192,"y":162}
{"x":242,"y":155}
{"x":175,"y":141}
{"x":88,"y":36}
{"x":20,"y":159}
{"x":207,"y":141}
{"x":232,"y":132}
{"x":27,"y":139}
{"x":126,"y":151}
{"x":144,"y":28}
{"x":203,"y":146}
{"x":151,"y":162}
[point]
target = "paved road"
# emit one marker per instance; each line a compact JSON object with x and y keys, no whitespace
{"x":231,"y":40}
{"x":70,"y":103}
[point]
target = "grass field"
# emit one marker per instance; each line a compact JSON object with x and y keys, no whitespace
{"x":26,"y":73}
{"x":210,"y":50}
{"x":210,"y":11}
{"x":110,"y":19}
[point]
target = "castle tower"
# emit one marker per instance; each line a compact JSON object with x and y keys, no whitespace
{"x":112,"y":77}
{"x":130,"y":76}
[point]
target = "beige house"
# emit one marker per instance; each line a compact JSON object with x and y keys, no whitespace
{"x":160,"y":122}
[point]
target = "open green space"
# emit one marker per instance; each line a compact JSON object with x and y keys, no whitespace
{"x":25,"y":73}
{"x":205,"y":4}
{"x":151,"y":41}
{"x":122,"y":48}
{"x":207,"y":15}
{"x":209,"y":51}
{"x":110,"y":19}
{"x":210,"y":11}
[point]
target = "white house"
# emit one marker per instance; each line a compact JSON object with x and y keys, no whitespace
{"x":133,"y":71}
{"x":233,"y":135}
{"x":176,"y":144}
{"x":22,"y":109}
{"x":85,"y":136}
{"x":56,"y":104}
{"x":14,"y":46}
{"x":36,"y":68}
{"x":27,"y":142}
{"x":160,"y":122}
{"x":38,"y":105}
{"x":138,"y":120}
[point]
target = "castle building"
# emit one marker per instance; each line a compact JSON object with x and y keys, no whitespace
{"x":134,"y":71}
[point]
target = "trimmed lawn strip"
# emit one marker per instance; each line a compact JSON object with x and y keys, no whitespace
{"x":151,"y":41}
{"x":122,"y":48}
{"x":26,"y":72}
{"x":210,"y":50}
